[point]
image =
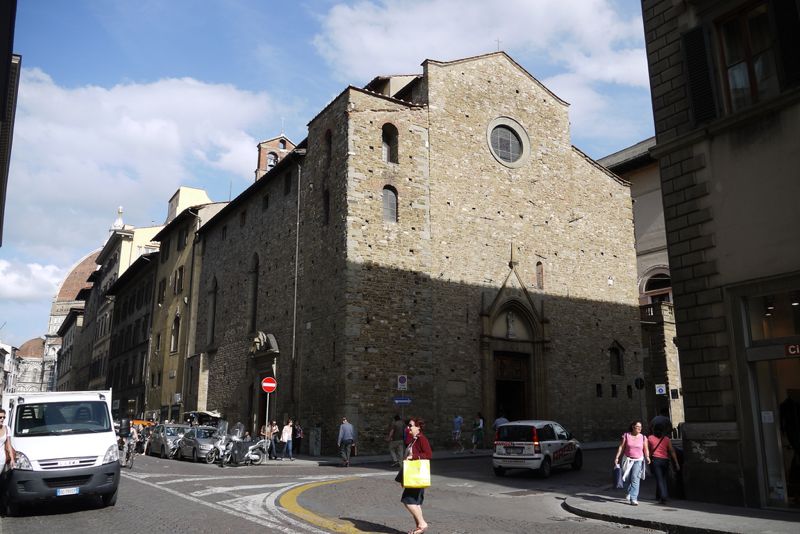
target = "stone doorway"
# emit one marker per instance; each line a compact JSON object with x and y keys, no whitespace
{"x":512,"y":384}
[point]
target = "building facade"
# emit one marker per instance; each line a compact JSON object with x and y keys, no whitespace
{"x":176,"y":272}
{"x":130,"y":336}
{"x":436,"y":239}
{"x":726,"y":103}
{"x":68,"y":331}
{"x":662,"y":386}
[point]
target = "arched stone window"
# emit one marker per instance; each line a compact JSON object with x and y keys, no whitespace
{"x":272,"y":160}
{"x":282,"y":144}
{"x":616,"y":356}
{"x":655,"y":286}
{"x":389,"y":143}
{"x":328,"y":147}
{"x":253,"y":300}
{"x":539,"y":275}
{"x":389,"y":204}
{"x":212,"y":310}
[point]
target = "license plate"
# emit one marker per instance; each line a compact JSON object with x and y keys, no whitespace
{"x":514,"y":450}
{"x":60,"y":492}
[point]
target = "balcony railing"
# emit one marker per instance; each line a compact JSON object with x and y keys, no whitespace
{"x":656,"y":312}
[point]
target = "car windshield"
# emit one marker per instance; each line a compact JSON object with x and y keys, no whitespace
{"x":173,"y":431}
{"x":50,"y":418}
{"x":205,"y":433}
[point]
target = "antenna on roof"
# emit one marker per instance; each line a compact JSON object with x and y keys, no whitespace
{"x":498,"y":43}
{"x":282,"y":125}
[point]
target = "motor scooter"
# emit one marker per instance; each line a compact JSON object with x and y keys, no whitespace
{"x":255,"y":453}
{"x":217,"y":452}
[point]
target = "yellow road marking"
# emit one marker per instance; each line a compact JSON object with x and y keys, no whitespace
{"x":289,"y":502}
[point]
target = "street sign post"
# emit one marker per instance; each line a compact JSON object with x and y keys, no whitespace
{"x":268,"y":384}
{"x":402,"y":382}
{"x":402,"y":401}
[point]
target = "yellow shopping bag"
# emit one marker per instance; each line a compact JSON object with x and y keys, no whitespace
{"x":416,"y":473}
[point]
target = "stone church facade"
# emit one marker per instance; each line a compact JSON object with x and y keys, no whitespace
{"x":439,"y":227}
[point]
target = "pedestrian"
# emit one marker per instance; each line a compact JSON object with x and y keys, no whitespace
{"x":395,"y":439}
{"x":661,"y":424}
{"x":286,"y":438}
{"x":345,"y":440}
{"x":418,"y":449}
{"x":274,"y":434}
{"x":501,"y":420}
{"x":458,"y":422}
{"x":661,"y":450}
{"x":297,"y":436}
{"x":7,"y":457}
{"x":633,"y":452}
{"x":477,"y":432}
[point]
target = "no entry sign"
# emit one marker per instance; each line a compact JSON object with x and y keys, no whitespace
{"x":269,"y":384}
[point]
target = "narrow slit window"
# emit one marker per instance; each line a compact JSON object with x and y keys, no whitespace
{"x":389,"y":204}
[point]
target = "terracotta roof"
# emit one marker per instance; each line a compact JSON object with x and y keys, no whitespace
{"x":33,"y":348}
{"x":77,"y":278}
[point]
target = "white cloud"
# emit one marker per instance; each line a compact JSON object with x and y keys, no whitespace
{"x":589,"y":52}
{"x":20,"y":282}
{"x":80,"y":152}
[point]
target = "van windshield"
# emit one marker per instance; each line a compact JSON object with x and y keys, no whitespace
{"x":52,"y":418}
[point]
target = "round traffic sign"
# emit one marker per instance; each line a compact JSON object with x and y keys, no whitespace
{"x":269,"y":384}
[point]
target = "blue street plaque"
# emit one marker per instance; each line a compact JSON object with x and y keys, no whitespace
{"x":404,"y":401}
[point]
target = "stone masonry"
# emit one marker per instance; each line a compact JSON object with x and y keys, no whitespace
{"x":495,"y":287}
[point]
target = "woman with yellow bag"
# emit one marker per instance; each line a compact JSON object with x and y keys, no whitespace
{"x":416,"y":473}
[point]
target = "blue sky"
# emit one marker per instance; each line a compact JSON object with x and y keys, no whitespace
{"x":122,"y":102}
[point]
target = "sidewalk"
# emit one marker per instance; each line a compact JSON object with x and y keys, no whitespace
{"x":371,"y":458}
{"x":681,"y":516}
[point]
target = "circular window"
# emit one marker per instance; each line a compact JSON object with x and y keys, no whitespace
{"x":508,"y":142}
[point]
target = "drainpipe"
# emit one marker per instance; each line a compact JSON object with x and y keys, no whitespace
{"x":300,"y":152}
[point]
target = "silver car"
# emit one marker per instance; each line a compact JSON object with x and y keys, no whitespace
{"x":197,"y":442}
{"x":163,"y":438}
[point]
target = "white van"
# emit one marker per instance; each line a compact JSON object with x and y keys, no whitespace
{"x":65,"y":446}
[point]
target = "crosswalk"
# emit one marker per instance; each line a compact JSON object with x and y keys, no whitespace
{"x":251,"y":497}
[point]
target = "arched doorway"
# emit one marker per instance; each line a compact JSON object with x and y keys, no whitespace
{"x":512,"y":357}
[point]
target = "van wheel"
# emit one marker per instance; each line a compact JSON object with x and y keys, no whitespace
{"x":10,"y":508}
{"x":546,"y":468}
{"x":577,"y":462}
{"x":110,"y":499}
{"x":500,"y":471}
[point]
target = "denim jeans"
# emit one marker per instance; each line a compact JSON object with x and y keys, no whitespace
{"x":634,"y":479}
{"x":661,"y":470}
{"x":287,"y":449}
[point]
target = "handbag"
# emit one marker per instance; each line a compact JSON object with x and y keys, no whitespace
{"x":616,"y":475}
{"x":416,"y":473}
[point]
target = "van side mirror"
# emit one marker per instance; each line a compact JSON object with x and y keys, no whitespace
{"x":125,"y":428}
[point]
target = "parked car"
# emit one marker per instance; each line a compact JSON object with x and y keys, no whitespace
{"x":163,"y":438}
{"x":197,"y":442}
{"x":535,"y":445}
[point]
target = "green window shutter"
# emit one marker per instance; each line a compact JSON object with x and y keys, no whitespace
{"x":698,"y":76}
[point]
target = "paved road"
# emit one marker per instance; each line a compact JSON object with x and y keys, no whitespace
{"x":172,"y":496}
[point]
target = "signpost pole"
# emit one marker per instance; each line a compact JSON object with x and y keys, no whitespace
{"x":266,"y":421}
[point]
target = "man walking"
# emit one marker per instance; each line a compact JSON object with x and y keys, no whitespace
{"x":396,"y":444}
{"x":346,"y":439}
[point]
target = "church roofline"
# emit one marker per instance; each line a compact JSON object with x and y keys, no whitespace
{"x":509,"y":58}
{"x":619,"y":179}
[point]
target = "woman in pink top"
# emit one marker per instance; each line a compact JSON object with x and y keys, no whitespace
{"x":634,"y":452}
{"x":661,"y":451}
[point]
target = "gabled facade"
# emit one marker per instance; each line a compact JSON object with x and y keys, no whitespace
{"x":725,"y":79}
{"x":270,"y":152}
{"x":448,"y":233}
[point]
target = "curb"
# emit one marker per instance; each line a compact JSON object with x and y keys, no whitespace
{"x":636,"y":522}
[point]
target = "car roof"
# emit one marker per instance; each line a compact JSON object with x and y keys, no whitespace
{"x":178,"y":425}
{"x":531,"y":422}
